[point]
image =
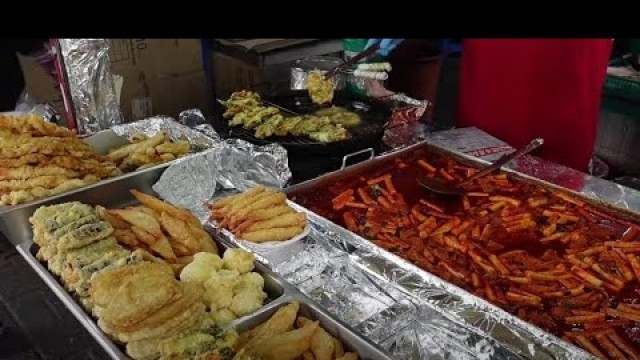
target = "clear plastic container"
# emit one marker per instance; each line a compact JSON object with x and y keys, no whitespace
{"x":302,"y":67}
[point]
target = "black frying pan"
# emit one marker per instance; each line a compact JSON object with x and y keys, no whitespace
{"x":375,"y":117}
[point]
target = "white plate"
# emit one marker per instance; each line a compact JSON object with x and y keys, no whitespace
{"x":273,"y":245}
{"x":269,"y":247}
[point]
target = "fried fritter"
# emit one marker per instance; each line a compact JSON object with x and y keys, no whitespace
{"x":106,"y":283}
{"x":33,"y":124}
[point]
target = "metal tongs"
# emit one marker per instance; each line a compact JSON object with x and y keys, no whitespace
{"x":363,"y":55}
{"x":457,"y":189}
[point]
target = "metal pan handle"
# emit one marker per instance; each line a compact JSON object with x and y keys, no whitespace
{"x":363,"y":151}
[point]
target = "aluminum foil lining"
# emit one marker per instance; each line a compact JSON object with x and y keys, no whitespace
{"x":449,"y":322}
{"x":192,"y":118}
{"x":478,"y":143}
{"x":229,"y":165}
{"x":91,"y":85}
{"x":176,"y":131}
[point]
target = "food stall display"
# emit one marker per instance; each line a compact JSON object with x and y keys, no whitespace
{"x":166,"y":289}
{"x":549,"y":258}
{"x":41,"y":159}
{"x":258,"y":215}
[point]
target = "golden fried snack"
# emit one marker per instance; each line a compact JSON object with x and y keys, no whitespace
{"x":286,"y":346}
{"x":282,"y":221}
{"x":161,"y":206}
{"x":269,"y":200}
{"x":34,"y":125}
{"x":280,"y":322}
{"x":204,"y":239}
{"x":179,"y":147}
{"x":320,"y":89}
{"x":141,"y":146}
{"x":179,"y":231}
{"x":141,"y":220}
{"x":115,"y":221}
{"x":159,"y":245}
{"x":45,"y":182}
{"x":31,"y":172}
{"x":322,"y":344}
{"x":34,"y":193}
{"x":106,"y":283}
{"x":276,"y":234}
{"x":126,"y":237}
{"x":261,"y":215}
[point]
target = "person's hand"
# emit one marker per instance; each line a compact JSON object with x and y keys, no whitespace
{"x":386,"y":45}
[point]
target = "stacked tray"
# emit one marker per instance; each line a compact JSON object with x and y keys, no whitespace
{"x":114,"y":193}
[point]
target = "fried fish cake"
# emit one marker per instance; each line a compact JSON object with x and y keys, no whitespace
{"x":84,"y":236}
{"x":180,"y":322}
{"x":106,"y":283}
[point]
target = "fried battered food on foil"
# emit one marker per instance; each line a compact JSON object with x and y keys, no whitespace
{"x":258,"y":215}
{"x":37,"y":192}
{"x":149,"y":151}
{"x":34,"y":125}
{"x":38,"y":161}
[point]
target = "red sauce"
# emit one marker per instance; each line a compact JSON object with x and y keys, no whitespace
{"x":546,"y":303}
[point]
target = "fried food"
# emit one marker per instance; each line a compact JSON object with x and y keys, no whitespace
{"x":275,"y":234}
{"x":231,"y":288}
{"x":245,"y":109}
{"x":288,"y":336}
{"x":320,"y":89}
{"x":40,"y":159}
{"x":282,"y":221}
{"x":201,"y":267}
{"x":161,"y":206}
{"x":207,"y":342}
{"x":285,"y":346}
{"x":339,"y":115}
{"x":259,"y":215}
{"x":322,"y":344}
{"x":34,"y":193}
{"x":134,"y":295}
{"x":33,"y":125}
{"x":179,"y":232}
{"x":139,"y":219}
{"x":160,"y":228}
{"x":146,"y":151}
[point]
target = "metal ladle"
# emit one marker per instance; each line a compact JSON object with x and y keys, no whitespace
{"x":441,"y":187}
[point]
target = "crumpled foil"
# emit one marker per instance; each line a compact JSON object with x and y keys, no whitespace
{"x":191,"y":118}
{"x":91,"y":86}
{"x":176,"y":131}
{"x":478,"y":143}
{"x":231,"y":164}
{"x":339,"y":276}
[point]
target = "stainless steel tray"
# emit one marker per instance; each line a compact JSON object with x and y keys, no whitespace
{"x":523,"y":338}
{"x":115,"y":193}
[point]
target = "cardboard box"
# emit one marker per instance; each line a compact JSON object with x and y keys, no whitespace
{"x":161,"y":77}
{"x":230,"y":74}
